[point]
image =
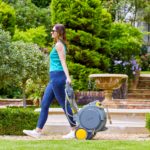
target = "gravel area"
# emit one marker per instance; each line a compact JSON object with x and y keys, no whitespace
{"x":99,"y":136}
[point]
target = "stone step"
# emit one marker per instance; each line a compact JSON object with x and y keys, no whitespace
{"x":144,"y":81}
{"x":123,"y":121}
{"x":145,"y":84}
{"x":139,"y":91}
{"x":131,"y":113}
{"x":137,"y":101}
{"x":14,"y":102}
{"x":139,"y":95}
{"x":129,"y":104}
{"x":114,"y":128}
{"x":11,"y":102}
{"x":144,"y":77}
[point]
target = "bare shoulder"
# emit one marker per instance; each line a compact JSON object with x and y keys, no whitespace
{"x":59,"y":46}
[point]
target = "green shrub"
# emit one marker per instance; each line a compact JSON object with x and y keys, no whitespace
{"x":28,"y":15}
{"x":148,"y":121}
{"x":125,"y":41}
{"x":145,"y":62}
{"x":14,"y":120}
{"x":88,"y":27}
{"x":33,"y":35}
{"x":79,"y":74}
{"x":41,"y":3}
{"x":5,"y":71}
{"x":86,"y":30}
{"x":18,"y":62}
{"x":7,"y":17}
{"x":125,"y":44}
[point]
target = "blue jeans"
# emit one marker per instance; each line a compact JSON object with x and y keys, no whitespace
{"x":54,"y":89}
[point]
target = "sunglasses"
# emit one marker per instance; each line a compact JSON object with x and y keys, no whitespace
{"x":53,"y":31}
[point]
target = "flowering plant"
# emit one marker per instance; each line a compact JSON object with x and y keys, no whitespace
{"x":130,"y":68}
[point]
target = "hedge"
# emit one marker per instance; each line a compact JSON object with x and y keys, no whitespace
{"x":14,"y":120}
{"x":148,"y":121}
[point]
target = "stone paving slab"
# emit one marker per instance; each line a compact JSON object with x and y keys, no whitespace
{"x":60,"y":110}
{"x":99,"y":136}
{"x":131,"y":124}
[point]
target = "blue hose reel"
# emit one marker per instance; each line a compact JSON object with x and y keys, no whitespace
{"x":90,"y":119}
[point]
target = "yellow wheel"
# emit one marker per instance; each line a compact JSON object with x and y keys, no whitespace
{"x":81,"y":134}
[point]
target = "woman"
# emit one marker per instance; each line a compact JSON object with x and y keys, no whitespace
{"x":59,"y":75}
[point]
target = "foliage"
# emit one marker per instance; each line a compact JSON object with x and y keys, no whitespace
{"x":125,"y":44}
{"x":19,"y":62}
{"x":35,"y":89}
{"x":41,"y":3}
{"x":78,"y":15}
{"x":94,"y":40}
{"x":147,"y":13}
{"x":12,"y":91}
{"x":34,"y":63}
{"x":8,"y":69}
{"x":14,"y":120}
{"x":130,"y":68}
{"x":32,"y":35}
{"x":7,"y":17}
{"x":148,"y":121}
{"x":128,"y":10}
{"x":80,"y":75}
{"x":86,"y":32}
{"x":145,"y":62}
{"x":30,"y":16}
{"x":125,"y":41}
{"x":143,"y":8}
{"x":106,"y":21}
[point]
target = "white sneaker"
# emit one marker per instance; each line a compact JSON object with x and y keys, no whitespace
{"x":70,"y":135}
{"x":32,"y":133}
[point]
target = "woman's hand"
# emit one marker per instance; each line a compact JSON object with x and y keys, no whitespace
{"x":68,"y":80}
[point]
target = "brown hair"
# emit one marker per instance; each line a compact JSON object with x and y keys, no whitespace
{"x":60,"y":29}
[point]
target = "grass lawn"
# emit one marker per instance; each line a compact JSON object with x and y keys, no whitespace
{"x":73,"y":145}
{"x":145,"y":72}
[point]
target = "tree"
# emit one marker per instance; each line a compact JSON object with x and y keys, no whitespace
{"x":7,"y":17}
{"x":87,"y":32}
{"x":33,"y":64}
{"x":33,"y":35}
{"x":41,"y":3}
{"x":128,"y":10}
{"x":20,"y":62}
{"x":30,"y":16}
{"x":7,"y":71}
{"x":125,"y":41}
{"x":125,"y":44}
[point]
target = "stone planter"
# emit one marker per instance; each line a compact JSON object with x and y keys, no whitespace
{"x":134,"y":82}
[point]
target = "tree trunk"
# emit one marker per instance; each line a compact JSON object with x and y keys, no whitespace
{"x":24,"y":96}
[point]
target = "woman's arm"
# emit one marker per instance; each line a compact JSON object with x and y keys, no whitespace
{"x":60,"y":50}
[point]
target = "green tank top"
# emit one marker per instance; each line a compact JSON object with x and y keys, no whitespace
{"x":55,"y":63}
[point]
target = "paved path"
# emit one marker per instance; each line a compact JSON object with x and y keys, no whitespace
{"x":99,"y":136}
{"x":126,"y":126}
{"x":123,"y":121}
